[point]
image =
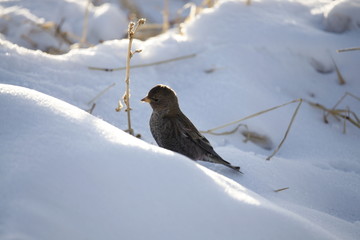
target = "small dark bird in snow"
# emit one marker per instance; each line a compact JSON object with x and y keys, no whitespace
{"x":172,"y":130}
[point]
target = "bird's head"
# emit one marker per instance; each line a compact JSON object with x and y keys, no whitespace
{"x":162,"y":97}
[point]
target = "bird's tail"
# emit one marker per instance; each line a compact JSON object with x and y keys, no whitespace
{"x":236,"y":168}
{"x":218,"y":159}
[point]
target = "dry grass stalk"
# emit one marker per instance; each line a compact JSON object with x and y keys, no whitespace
{"x":212,"y":131}
{"x":166,"y":24}
{"x":261,"y":140}
{"x":347,"y":115}
{"x":339,"y":75}
{"x":348,"y":49}
{"x":92,"y":108}
{"x":145,"y":65}
{"x":29,"y":40}
{"x":339,"y":114}
{"x":287,"y":130}
{"x":52,"y":29}
{"x":281,"y":189}
{"x":132,"y":7}
{"x":210,"y":70}
{"x":85,"y":25}
{"x":193,"y":11}
{"x":250,"y":116}
{"x":64,"y":36}
{"x":248,"y":2}
{"x":208,"y":3}
{"x":101,"y":94}
{"x":256,"y":138}
{"x":126,"y":97}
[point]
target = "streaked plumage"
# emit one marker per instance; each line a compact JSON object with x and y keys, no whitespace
{"x":172,"y":130}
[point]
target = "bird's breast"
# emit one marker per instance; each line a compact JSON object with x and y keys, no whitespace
{"x":164,"y":131}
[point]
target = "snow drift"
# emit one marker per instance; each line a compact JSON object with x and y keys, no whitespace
{"x":68,"y":175}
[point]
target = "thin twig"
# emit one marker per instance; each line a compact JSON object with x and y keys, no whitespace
{"x":352,"y":95}
{"x":100,"y":94}
{"x":165,"y":13}
{"x":251,"y":116}
{"x":281,"y":189}
{"x":339,"y":75}
{"x":144,"y":65}
{"x":29,"y":40}
{"x":131,"y":7}
{"x":85,"y":25}
{"x":212,"y":131}
{"x":348,"y":49}
{"x":126,"y":97}
{"x":92,"y":108}
{"x":347,"y":115}
{"x":333,"y":108}
{"x":287,"y":130}
{"x":337,"y":112}
{"x":226,"y":132}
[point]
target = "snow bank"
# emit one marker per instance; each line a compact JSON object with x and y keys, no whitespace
{"x":68,"y":175}
{"x":248,"y":58}
{"x":342,"y":15}
{"x":33,"y":24}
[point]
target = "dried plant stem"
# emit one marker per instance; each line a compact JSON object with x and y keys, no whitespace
{"x":85,"y":25}
{"x":339,"y":75}
{"x":29,"y":40}
{"x":250,"y":116}
{"x":281,"y":189}
{"x":146,"y":64}
{"x":100,"y":94}
{"x":341,"y":113}
{"x":226,"y":132}
{"x":127,"y":81}
{"x":347,"y":111}
{"x":92,"y":108}
{"x":126,"y":98}
{"x":349,"y":49}
{"x":193,"y":10}
{"x":166,"y":24}
{"x":343,"y":97}
{"x":208,"y":3}
{"x":212,"y":131}
{"x":345,"y":114}
{"x":287,"y":130}
{"x":131,"y":7}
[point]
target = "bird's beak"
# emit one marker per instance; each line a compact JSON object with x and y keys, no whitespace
{"x":146,"y":99}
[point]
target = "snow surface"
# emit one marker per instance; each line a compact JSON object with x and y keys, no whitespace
{"x":66,"y":174}
{"x":24,"y":18}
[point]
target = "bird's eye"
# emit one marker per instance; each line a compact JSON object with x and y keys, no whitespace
{"x":155,"y":99}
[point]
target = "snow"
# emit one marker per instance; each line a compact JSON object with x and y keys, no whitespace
{"x":21,"y":22}
{"x":342,"y":15}
{"x":66,"y":174}
{"x":102,"y":183}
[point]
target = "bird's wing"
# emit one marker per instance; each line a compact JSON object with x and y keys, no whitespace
{"x":187,"y":129}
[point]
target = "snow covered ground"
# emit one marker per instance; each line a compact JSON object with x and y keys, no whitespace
{"x":65,"y":174}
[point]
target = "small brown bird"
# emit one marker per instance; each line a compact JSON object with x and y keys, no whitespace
{"x":172,"y":130}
